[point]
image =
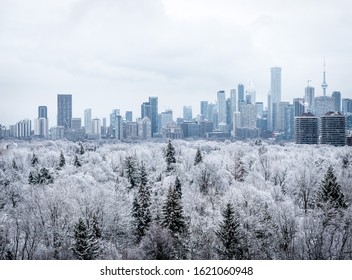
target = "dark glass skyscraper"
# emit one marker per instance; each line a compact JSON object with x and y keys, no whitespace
{"x":64,"y":110}
{"x":153,"y":101}
{"x":42,"y":112}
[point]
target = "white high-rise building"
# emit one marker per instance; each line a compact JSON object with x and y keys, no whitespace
{"x":96,"y":126}
{"x":187,"y":113}
{"x":41,"y":127}
{"x":88,"y":120}
{"x":275,"y":93}
{"x":221,"y":106}
{"x":309,"y":99}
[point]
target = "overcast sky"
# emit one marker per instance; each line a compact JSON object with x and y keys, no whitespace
{"x":115,"y":53}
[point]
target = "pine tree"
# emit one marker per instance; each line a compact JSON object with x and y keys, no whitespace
{"x":81,"y":148}
{"x":178,"y":187}
{"x":32,"y":178}
{"x":172,"y":210}
{"x":143,"y":175}
{"x":141,"y":208}
{"x":229,"y":235}
{"x":44,"y":176}
{"x":330,"y":193}
{"x":62,"y":162}
{"x":34,"y":160}
{"x":199,"y":158}
{"x":76,"y":162}
{"x":131,"y":171}
{"x":85,"y":246}
{"x":170,"y":156}
{"x":81,"y":246}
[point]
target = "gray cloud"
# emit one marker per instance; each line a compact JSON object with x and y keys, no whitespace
{"x":114,"y":54}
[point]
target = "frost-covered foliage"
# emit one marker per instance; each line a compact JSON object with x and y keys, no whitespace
{"x":174,"y":200}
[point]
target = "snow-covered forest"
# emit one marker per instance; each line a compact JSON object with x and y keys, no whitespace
{"x":174,"y":200}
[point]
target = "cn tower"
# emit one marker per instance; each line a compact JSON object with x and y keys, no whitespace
{"x":324,"y":85}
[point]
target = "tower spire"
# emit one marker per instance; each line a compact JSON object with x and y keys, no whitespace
{"x":324,"y":85}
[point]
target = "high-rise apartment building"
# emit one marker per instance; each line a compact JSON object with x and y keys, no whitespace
{"x":64,"y":110}
{"x":41,"y":124}
{"x":309,"y":94}
{"x":307,"y":129}
{"x":333,"y":129}
{"x":275,"y":93}
{"x":221,"y":102}
{"x":96,"y":127}
{"x":88,"y":120}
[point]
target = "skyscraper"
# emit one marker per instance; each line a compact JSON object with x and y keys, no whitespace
{"x":42,"y":112}
{"x":88,"y":120}
{"x":336,"y":95}
{"x":275,"y":96}
{"x":221,"y":102}
{"x":241,"y":96}
{"x":187,"y":113}
{"x":64,"y":110}
{"x":41,"y":124}
{"x":346,"y":105}
{"x":309,"y":98}
{"x":153,"y":101}
{"x":129,"y":116}
{"x":204,"y":109}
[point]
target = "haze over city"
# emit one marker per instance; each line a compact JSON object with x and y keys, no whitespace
{"x":114,"y":54}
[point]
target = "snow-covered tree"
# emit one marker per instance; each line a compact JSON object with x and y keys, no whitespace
{"x":131,"y":171}
{"x":62,"y":161}
{"x":169,"y":155}
{"x":76,"y":162}
{"x":199,"y":158}
{"x":230,"y":235}
{"x":34,"y":160}
{"x":330,"y":192}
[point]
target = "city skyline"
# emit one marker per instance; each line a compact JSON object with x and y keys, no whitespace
{"x":182,"y":52}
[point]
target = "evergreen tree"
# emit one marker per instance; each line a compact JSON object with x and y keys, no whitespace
{"x":34,"y":160}
{"x":141,"y":209}
{"x":170,"y":156}
{"x":81,"y":246}
{"x":85,"y":246}
{"x":172,"y":211}
{"x":76,"y":162}
{"x":330,"y":192}
{"x":143,"y":175}
{"x":62,"y":162}
{"x":131,"y":171}
{"x":81,"y":148}
{"x":44,"y":176}
{"x":199,"y":158}
{"x":32,"y":178}
{"x":178,"y":187}
{"x":229,"y":235}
